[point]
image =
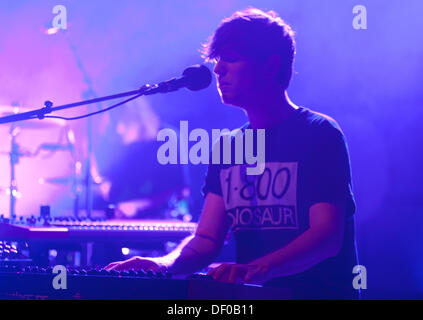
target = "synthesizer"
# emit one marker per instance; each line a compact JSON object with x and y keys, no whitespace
{"x":10,"y":254}
{"x":35,"y":283}
{"x":70,"y":228}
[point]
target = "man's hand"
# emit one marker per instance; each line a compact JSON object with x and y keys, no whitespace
{"x":194,"y":252}
{"x":137,"y":263}
{"x":241,"y":273}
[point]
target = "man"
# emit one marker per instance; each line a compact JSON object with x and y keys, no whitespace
{"x":293,"y":224}
{"x":131,"y":178}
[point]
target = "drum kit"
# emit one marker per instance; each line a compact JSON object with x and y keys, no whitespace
{"x":77,"y":180}
{"x":16,"y":152}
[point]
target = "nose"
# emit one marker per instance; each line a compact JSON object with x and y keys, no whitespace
{"x":220,"y":68}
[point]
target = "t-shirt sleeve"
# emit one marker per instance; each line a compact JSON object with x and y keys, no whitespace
{"x":212,"y":182}
{"x":329,"y":171}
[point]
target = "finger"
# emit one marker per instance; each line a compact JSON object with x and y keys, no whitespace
{"x":148,"y":265}
{"x":124,"y":265}
{"x":237,"y":274}
{"x":152,"y":267}
{"x":254,"y":278}
{"x":249,"y":277}
{"x":221,"y":272}
{"x":255,"y":275}
{"x":110,"y":265}
{"x":117,"y":266}
{"x":137,"y":263}
{"x":213,"y":272}
{"x":162,"y":268}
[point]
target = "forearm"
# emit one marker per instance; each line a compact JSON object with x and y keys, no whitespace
{"x":191,"y":255}
{"x":307,"y":250}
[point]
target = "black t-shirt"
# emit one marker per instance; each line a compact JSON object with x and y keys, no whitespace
{"x":306,"y":162}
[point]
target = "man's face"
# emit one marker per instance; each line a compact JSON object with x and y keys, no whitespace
{"x":237,"y":78}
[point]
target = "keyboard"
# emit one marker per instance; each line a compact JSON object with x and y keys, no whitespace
{"x":36,"y":283}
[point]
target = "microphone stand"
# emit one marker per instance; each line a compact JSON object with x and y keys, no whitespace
{"x":88,"y":178}
{"x":48,"y":107}
{"x":14,"y":159}
{"x":163,"y":87}
{"x":145,"y":90}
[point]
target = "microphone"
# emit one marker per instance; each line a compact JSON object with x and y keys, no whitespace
{"x":193,"y":78}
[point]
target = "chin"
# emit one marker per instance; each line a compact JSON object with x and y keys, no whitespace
{"x":228,"y":100}
{"x":230,"y":103}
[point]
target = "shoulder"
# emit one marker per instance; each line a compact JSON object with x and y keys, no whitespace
{"x":319,"y":123}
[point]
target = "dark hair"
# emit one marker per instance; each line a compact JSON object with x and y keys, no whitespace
{"x":255,"y":34}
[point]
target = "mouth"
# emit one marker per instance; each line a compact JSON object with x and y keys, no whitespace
{"x":223,"y":85}
{"x":224,"y":90}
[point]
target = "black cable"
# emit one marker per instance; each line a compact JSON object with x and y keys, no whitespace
{"x":93,"y":113}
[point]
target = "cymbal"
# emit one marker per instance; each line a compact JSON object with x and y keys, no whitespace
{"x":67,"y":180}
{"x":6,"y":110}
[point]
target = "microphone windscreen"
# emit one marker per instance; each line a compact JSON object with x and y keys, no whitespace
{"x":197,"y":77}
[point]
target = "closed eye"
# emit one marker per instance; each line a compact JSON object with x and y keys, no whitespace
{"x":229,"y":57}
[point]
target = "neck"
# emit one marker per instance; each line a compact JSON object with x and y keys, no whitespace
{"x":269,"y":112}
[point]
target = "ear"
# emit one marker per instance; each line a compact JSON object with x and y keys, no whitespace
{"x":272,"y":66}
